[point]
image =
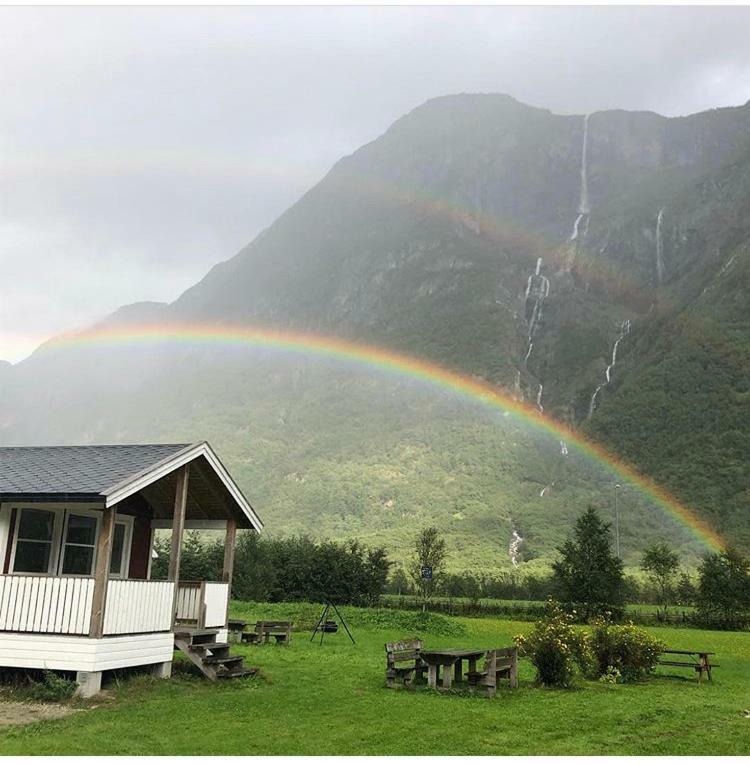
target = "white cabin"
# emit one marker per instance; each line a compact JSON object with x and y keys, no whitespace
{"x":76,"y":539}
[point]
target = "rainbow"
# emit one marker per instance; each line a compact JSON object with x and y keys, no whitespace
{"x":384,"y":360}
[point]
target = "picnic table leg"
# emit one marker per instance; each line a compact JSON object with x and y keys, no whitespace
{"x":447,"y":677}
{"x":458,"y":671}
{"x":514,"y":669}
{"x":472,"y":665}
{"x":432,"y":675}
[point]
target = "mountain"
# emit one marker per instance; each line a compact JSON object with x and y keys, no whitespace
{"x":595,"y":266}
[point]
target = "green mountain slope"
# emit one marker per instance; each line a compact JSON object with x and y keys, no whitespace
{"x":449,"y":238}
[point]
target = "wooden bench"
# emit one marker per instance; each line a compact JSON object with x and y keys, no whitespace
{"x":264,"y":631}
{"x":699,"y":661}
{"x":235,"y":628}
{"x":403,"y":662}
{"x":499,"y":662}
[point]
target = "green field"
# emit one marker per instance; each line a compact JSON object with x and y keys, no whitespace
{"x":331,"y":699}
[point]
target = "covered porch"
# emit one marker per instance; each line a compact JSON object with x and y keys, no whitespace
{"x":76,"y":540}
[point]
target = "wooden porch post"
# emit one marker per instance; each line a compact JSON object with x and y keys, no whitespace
{"x":228,"y":567}
{"x":101,"y":572}
{"x":229,"y":541}
{"x":178,"y":525}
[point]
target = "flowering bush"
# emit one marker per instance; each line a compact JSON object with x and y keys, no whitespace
{"x":611,"y":676}
{"x":630,"y":650}
{"x":554,"y":647}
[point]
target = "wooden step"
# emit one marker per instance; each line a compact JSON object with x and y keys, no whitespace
{"x":228,"y":674}
{"x":209,"y":646}
{"x":226,"y":660}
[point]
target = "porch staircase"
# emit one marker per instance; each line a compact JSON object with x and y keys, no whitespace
{"x":211,"y":657}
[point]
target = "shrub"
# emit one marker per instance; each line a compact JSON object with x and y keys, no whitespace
{"x":53,"y":687}
{"x":612,"y":676}
{"x":628,"y":649}
{"x":555,"y":647}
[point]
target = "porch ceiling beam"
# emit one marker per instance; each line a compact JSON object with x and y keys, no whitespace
{"x":191,"y":524}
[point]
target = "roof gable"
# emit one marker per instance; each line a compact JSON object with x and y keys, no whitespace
{"x":109,"y":474}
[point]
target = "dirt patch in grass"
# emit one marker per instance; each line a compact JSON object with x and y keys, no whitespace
{"x":24,"y":713}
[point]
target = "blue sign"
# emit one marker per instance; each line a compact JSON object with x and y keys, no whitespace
{"x":426,"y":572}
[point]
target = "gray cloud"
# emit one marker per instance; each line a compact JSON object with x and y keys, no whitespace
{"x":138,"y":146}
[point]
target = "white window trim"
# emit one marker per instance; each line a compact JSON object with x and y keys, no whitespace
{"x":59,"y":514}
{"x":58,"y":538}
{"x":127,"y":542}
{"x":86,"y":512}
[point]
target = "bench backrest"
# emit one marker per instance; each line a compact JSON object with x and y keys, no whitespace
{"x":266,"y":626}
{"x":500,"y":658}
{"x":403,"y":650}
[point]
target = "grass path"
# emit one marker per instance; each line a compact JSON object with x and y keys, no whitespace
{"x":331,"y":699}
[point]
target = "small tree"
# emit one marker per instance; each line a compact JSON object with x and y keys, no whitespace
{"x":429,"y":551}
{"x":399,"y":584}
{"x":660,"y":562}
{"x":589,"y":575}
{"x":723,"y":597}
{"x":685,"y":589}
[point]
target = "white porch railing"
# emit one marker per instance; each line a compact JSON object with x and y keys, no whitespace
{"x":138,"y":606}
{"x":203,"y":603}
{"x":49,"y":604}
{"x":62,"y":605}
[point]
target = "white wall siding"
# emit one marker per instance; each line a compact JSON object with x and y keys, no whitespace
{"x":46,"y":604}
{"x":83,"y":654}
{"x":138,"y":606}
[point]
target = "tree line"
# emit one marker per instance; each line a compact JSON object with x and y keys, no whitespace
{"x":589,"y":578}
{"x":291,"y":569}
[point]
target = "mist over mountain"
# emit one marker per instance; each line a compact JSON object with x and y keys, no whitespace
{"x":595,"y":266}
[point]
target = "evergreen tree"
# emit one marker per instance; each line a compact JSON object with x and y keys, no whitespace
{"x":589,"y":576}
{"x":723,"y":597}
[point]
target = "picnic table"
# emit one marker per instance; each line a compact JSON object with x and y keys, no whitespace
{"x":449,"y":659}
{"x":699,"y":661}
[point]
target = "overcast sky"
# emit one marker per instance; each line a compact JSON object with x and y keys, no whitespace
{"x":138,"y":146}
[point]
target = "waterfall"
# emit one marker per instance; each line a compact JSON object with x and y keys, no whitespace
{"x":539,"y":398}
{"x":516,"y":541}
{"x":584,"y":206}
{"x":537,"y":290}
{"x":659,"y":248}
{"x":592,"y":403}
{"x":563,"y":449}
{"x":583,"y":203}
{"x":624,"y":331}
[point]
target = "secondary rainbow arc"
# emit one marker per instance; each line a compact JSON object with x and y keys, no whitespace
{"x":399,"y":364}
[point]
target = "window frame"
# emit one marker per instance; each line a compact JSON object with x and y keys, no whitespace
{"x":127,"y":541}
{"x":85,"y":512}
{"x":54,"y":542}
{"x":59,"y":532}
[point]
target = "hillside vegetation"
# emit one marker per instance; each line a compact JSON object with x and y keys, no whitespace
{"x":428,"y":241}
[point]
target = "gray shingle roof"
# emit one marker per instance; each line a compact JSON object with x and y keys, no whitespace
{"x":85,"y":471}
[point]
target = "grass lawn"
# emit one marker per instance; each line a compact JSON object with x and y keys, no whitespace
{"x":331,"y":699}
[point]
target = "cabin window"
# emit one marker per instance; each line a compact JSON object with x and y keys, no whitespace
{"x":36,"y":531}
{"x":118,"y":566}
{"x":79,"y":547}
